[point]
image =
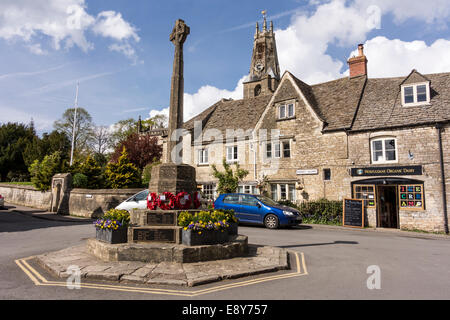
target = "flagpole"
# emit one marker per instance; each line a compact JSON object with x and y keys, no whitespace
{"x":74,"y":125}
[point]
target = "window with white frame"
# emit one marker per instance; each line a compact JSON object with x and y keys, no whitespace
{"x":283,"y":191}
{"x":282,"y":111}
{"x":232,"y":153}
{"x":203,"y":156}
{"x":278,"y":149}
{"x":384,"y":150}
{"x":209,"y":191}
{"x":286,"y":111}
{"x":416,"y":94}
{"x":250,"y":189}
{"x":290,"y":110}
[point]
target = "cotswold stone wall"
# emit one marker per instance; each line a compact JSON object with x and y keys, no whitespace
{"x":26,"y":196}
{"x":94,"y":203}
{"x":422,"y":142}
{"x":82,"y":202}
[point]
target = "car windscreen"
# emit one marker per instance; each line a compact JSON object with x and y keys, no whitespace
{"x":267,"y":201}
{"x":141,"y":195}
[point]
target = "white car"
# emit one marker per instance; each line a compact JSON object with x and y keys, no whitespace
{"x":2,"y":202}
{"x":138,"y":201}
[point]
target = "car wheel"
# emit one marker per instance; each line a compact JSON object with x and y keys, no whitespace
{"x":271,"y":221}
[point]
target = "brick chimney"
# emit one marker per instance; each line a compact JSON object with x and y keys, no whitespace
{"x":358,"y":65}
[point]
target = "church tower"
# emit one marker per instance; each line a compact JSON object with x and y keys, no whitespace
{"x":264,"y":69}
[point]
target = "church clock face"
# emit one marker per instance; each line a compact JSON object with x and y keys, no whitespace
{"x":259,"y":66}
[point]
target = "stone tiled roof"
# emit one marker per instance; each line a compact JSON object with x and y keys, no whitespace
{"x":381,"y":105}
{"x":232,"y":114}
{"x":338,"y":101}
{"x":353,"y":104}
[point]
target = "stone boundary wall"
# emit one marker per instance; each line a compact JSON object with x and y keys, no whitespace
{"x":94,"y":203}
{"x":82,"y":202}
{"x":26,"y":196}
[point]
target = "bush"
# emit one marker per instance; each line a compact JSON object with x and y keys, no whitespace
{"x":123,"y":174}
{"x":43,"y":171}
{"x":322,"y":211}
{"x":94,"y":173}
{"x":80,"y":181}
{"x":147,"y":172}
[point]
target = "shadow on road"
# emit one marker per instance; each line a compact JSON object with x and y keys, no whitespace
{"x":319,"y":244}
{"x":12,"y":220}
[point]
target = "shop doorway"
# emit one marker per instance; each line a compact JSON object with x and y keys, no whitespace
{"x":387,"y":205}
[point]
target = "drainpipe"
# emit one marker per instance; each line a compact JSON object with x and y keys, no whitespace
{"x":439,"y":127}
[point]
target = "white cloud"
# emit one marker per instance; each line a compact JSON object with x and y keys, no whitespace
{"x":111,"y":24}
{"x":64,"y":22}
{"x":37,"y":49}
{"x":205,"y":97}
{"x":126,"y":49}
{"x":430,"y":11}
{"x":41,"y":122}
{"x":392,"y":58}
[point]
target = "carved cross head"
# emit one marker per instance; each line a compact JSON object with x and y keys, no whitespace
{"x":179,"y":33}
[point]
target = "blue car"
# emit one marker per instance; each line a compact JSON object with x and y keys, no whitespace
{"x":257,"y":209}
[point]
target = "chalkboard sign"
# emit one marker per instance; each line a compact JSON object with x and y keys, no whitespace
{"x":353,"y":213}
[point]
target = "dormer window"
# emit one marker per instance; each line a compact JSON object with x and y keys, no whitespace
{"x":416,"y":94}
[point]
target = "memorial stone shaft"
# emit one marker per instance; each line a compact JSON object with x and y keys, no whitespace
{"x":177,"y":37}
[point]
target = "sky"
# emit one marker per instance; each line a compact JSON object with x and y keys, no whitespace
{"x":119,"y":50}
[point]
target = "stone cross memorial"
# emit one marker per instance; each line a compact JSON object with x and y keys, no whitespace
{"x":173,"y":176}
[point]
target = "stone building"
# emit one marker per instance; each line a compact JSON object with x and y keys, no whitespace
{"x":382,"y":140}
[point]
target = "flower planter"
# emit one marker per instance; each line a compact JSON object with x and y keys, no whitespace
{"x":233,"y":228}
{"x":193,"y":238}
{"x":112,"y":236}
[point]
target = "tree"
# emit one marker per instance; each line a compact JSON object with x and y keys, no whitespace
{"x":94,"y":173}
{"x":120,"y":132}
{"x":157,"y":122}
{"x":100,"y":139}
{"x":83,"y":127}
{"x":48,"y":144}
{"x":14,"y":139}
{"x":43,"y":171}
{"x":122,"y":174}
{"x":228,"y":180}
{"x":142,"y":149}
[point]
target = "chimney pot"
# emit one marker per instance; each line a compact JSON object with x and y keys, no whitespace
{"x":358,"y":65}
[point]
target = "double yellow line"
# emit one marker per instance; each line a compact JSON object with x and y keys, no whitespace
{"x":40,"y":280}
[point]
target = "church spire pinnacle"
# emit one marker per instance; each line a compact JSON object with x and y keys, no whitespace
{"x":265,"y":21}
{"x":264,"y":73}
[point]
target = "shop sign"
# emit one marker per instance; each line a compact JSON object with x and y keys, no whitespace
{"x":387,"y":171}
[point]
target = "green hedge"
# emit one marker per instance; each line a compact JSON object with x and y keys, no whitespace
{"x":322,"y":211}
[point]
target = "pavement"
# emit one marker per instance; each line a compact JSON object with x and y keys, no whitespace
{"x":261,"y":259}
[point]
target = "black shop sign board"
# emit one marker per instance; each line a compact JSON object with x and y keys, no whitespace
{"x":387,"y":171}
{"x":353,"y":213}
